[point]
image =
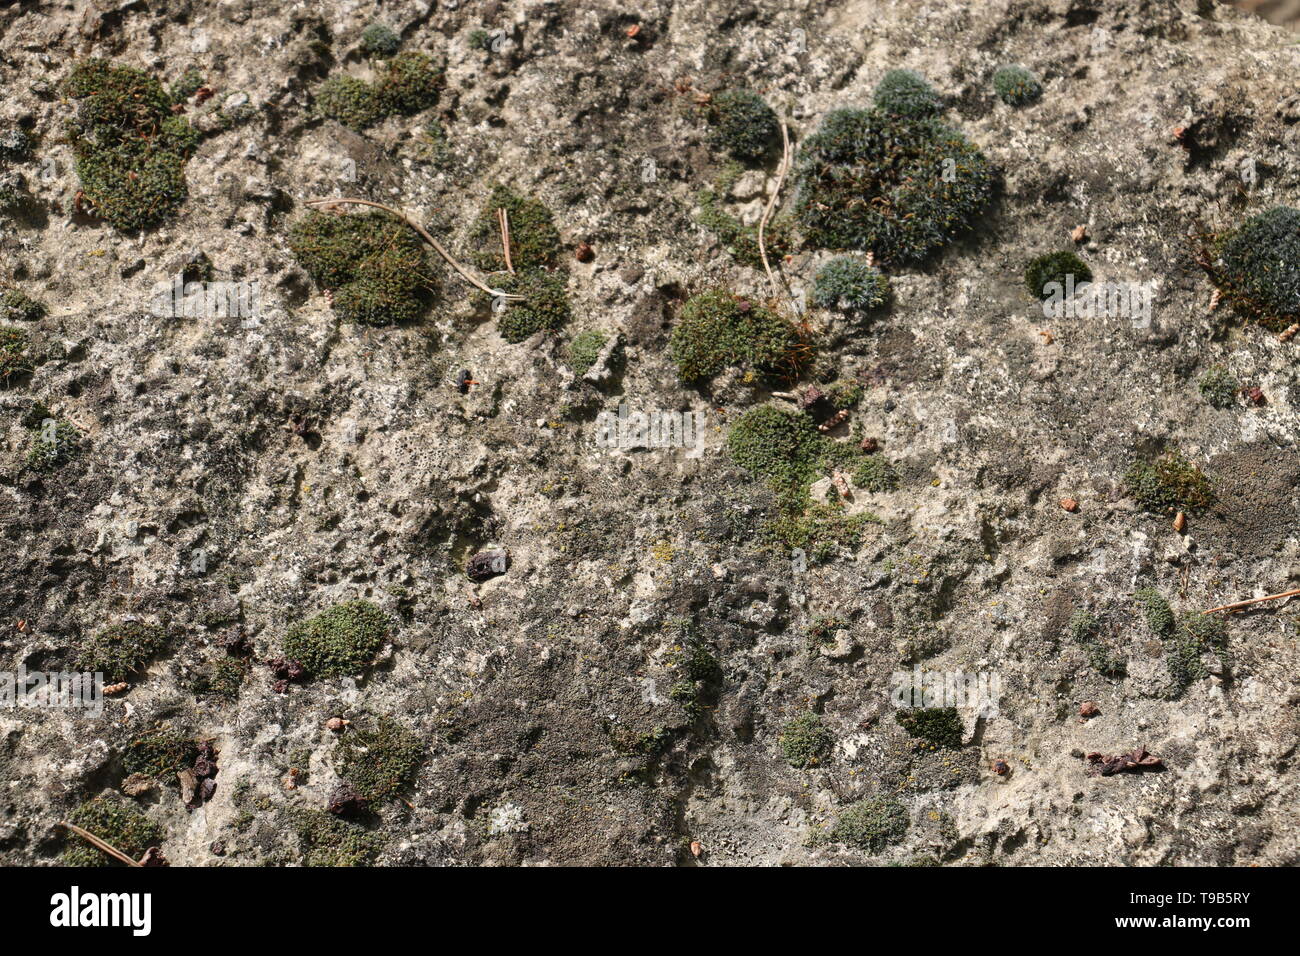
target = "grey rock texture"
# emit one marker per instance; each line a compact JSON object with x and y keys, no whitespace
{"x":312,"y":462}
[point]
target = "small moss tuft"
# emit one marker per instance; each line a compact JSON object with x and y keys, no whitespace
{"x":130,"y":149}
{"x":348,"y":100}
{"x":1055,"y":267}
{"x":934,"y":727}
{"x":374,"y":265}
{"x":777,"y":444}
{"x":717,"y":330}
{"x":1257,"y":267}
{"x":1219,"y":387}
{"x":805,"y":741}
{"x":220,"y":679}
{"x":871,"y":825}
{"x":13,"y":358}
{"x":1016,"y":86}
{"x":1159,"y":616}
{"x":1191,"y":637}
{"x":55,"y":442}
{"x":378,"y":39}
{"x":534,"y":240}
{"x":121,"y":651}
{"x":18,"y":306}
{"x":544,"y":306}
{"x":329,"y":841}
{"x":744,"y":125}
{"x":585,"y":349}
{"x":1085,"y":629}
{"x":116,"y":822}
{"x":850,"y":284}
{"x":408,"y":83}
{"x":161,"y":755}
{"x":381,"y":761}
{"x":741,"y":240}
{"x":906,"y":93}
{"x":340,"y":640}
{"x":899,"y":186}
{"x":875,"y":474}
{"x":1169,"y":484}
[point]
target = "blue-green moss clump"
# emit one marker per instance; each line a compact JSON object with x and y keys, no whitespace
{"x":17,"y":306}
{"x":906,"y":93}
{"x":116,"y":822}
{"x":13,"y":353}
{"x":741,"y":240}
{"x":1219,"y":387}
{"x":744,"y":125}
{"x":717,"y":330}
{"x":933,"y":728}
{"x":1055,"y":267}
{"x":1169,"y":484}
{"x":340,"y":640}
{"x":850,"y":284}
{"x":871,"y":825}
{"x":130,"y":149}
{"x":407,"y":84}
{"x":380,"y":761}
{"x":585,"y":349}
{"x":378,"y":39}
{"x":329,"y":841}
{"x":1257,"y":267}
{"x":900,"y":186}
{"x":374,"y":265}
{"x":805,"y":741}
{"x":1016,"y":86}
{"x":122,"y":650}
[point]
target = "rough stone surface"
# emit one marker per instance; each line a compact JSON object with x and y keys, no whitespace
{"x":312,"y":462}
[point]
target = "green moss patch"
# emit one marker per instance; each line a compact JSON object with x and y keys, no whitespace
{"x":741,"y":240}
{"x":1193,"y":636}
{"x":805,"y":741}
{"x":585,"y":349}
{"x":130,"y":149}
{"x":871,"y":825}
{"x":381,"y":761}
{"x":543,"y":308}
{"x":1219,"y":387}
{"x":1016,"y":86}
{"x":220,"y":679}
{"x":122,"y":651}
{"x":1169,"y":484}
{"x":932,"y":727}
{"x":906,"y":93}
{"x":13,"y":357}
{"x":116,"y":822}
{"x":744,"y":125}
{"x":717,"y":330}
{"x":900,"y":186}
{"x":18,"y":306}
{"x":379,"y":39}
{"x":534,"y":240}
{"x":1257,"y":267}
{"x":1155,"y":609}
{"x":55,"y":442}
{"x":848,"y":283}
{"x":339,"y":641}
{"x":374,"y":266}
{"x":1087,"y":630}
{"x":161,"y":755}
{"x":1055,"y":267}
{"x":330,"y":841}
{"x":407,"y":84}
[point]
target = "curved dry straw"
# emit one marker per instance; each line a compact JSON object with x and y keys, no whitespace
{"x":771,"y":203}
{"x":464,"y":273}
{"x":98,"y":843}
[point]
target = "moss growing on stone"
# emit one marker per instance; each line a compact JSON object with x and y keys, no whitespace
{"x":906,"y":93}
{"x":819,"y":530}
{"x":187,"y":85}
{"x":1219,"y":387}
{"x":1016,"y":86}
{"x":848,"y":283}
{"x":378,"y":39}
{"x":220,"y":679}
{"x":1156,"y":610}
{"x":805,"y":741}
{"x":339,"y":641}
{"x":161,"y":755}
{"x":116,"y":822}
{"x":1085,"y":629}
{"x":534,"y":240}
{"x":17,"y":306}
{"x":744,"y":125}
{"x":875,"y":474}
{"x":1055,"y":267}
{"x":407,"y":83}
{"x":121,"y":651}
{"x":130,"y":149}
{"x":544,"y":306}
{"x":15,"y":144}
{"x":13,"y":357}
{"x":1257,"y":267}
{"x":741,"y":240}
{"x":717,"y":330}
{"x":330,"y":841}
{"x":898,"y":186}
{"x":1169,"y":484}
{"x":777,"y":444}
{"x":585,"y":349}
{"x":871,"y":825}
{"x":380,"y":761}
{"x":933,"y":727}
{"x":374,"y":265}
{"x":1191,"y":637}
{"x":55,"y":442}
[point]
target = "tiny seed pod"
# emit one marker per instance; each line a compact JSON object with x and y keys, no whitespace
{"x":1000,"y":767}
